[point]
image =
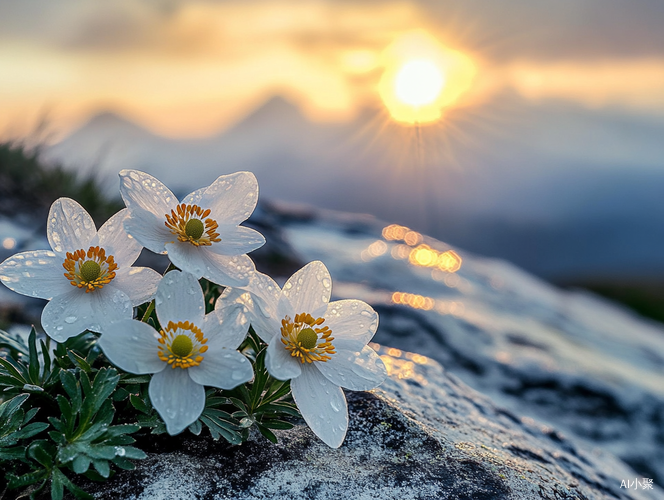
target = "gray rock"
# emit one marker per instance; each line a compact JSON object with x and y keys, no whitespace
{"x":423,"y":434}
{"x":578,"y":363}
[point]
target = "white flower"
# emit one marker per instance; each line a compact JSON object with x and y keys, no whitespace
{"x":320,"y":346}
{"x":87,"y":277}
{"x":191,"y":351}
{"x":201,"y":234}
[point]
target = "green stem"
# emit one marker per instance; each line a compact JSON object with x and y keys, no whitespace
{"x":148,"y":312}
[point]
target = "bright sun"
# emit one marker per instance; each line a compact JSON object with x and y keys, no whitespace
{"x":418,"y":82}
{"x":422,"y":77}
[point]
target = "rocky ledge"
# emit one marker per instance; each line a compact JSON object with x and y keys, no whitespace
{"x":423,"y":434}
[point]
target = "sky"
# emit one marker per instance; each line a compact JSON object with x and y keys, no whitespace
{"x":545,"y":146}
{"x":193,"y":68}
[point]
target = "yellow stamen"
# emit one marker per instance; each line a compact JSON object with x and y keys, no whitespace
{"x":182,"y":344}
{"x":89,"y":270}
{"x":190,"y":223}
{"x":304,"y":341}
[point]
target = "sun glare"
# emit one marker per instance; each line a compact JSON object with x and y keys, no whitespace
{"x":422,"y":77}
{"x":418,"y":83}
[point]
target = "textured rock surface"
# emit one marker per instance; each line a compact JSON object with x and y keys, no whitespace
{"x":578,"y":363}
{"x":423,"y":435}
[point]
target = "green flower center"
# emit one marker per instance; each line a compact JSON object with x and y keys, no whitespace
{"x":307,"y":338}
{"x":194,"y":228}
{"x":182,"y":346}
{"x":90,"y":270}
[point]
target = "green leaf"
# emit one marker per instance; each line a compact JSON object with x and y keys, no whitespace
{"x":9,"y":407}
{"x":133,"y":453}
{"x":26,"y":479}
{"x":196,"y":428}
{"x":123,"y":463}
{"x":42,"y":452}
{"x":102,"y":467}
{"x":136,"y":379}
{"x":138,"y":403}
{"x":81,"y":464}
{"x":79,"y":361}
{"x":72,"y":388}
{"x":33,"y":363}
{"x":120,"y":394}
{"x":276,"y":424}
{"x":17,"y":453}
{"x":267,"y":433}
{"x":30,"y":430}
{"x":66,"y":410}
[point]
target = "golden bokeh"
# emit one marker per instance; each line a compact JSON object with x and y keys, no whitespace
{"x":422,"y":77}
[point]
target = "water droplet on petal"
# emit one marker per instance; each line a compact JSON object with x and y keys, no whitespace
{"x":70,"y":319}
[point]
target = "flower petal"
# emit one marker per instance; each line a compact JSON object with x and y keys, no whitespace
{"x":114,"y":239}
{"x":220,"y":269}
{"x":353,"y":323}
{"x":69,"y":227}
{"x":279,"y":362}
{"x":309,"y":289}
{"x":260,"y":297}
{"x":195,"y":197}
{"x":227,"y":325}
{"x":132,"y":346}
{"x":148,"y":229}
{"x":139,"y":283}
{"x":231,"y":198}
{"x":222,"y":367}
{"x":178,"y":399}
{"x":236,"y":240}
{"x":76,"y":311}
{"x":322,"y":405}
{"x":36,"y":274}
{"x":179,"y":297}
{"x":141,"y":190}
{"x":357,"y":371}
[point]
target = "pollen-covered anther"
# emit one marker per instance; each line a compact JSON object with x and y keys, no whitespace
{"x":303,"y":338}
{"x":191,"y":223}
{"x":90,"y":270}
{"x":182,"y":345}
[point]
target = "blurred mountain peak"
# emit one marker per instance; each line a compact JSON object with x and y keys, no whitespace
{"x":277,"y":111}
